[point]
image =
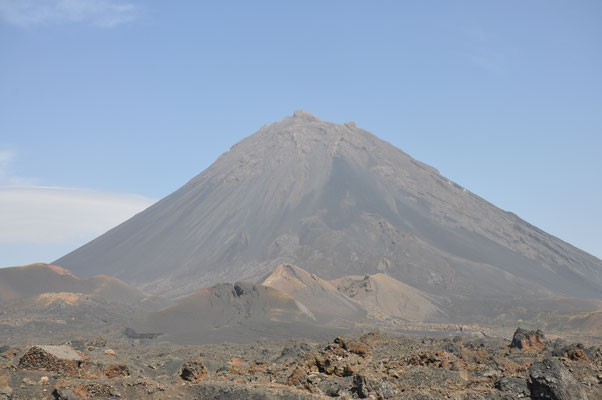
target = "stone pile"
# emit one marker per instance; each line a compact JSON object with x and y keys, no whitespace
{"x":60,"y":359}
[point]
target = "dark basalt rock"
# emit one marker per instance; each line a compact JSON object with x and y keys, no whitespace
{"x":238,"y":290}
{"x":551,"y":380}
{"x":528,"y":340}
{"x":194,"y":371}
{"x":365,"y":387}
{"x":117,"y":371}
{"x":516,"y":387}
{"x":64,"y":394}
{"x":574,"y":351}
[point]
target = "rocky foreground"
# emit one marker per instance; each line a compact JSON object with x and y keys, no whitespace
{"x":374,"y":366}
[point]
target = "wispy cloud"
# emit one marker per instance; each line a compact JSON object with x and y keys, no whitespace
{"x":43,"y":215}
{"x":101,"y":13}
{"x":45,"y":222}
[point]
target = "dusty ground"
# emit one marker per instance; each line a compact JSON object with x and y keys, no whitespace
{"x":374,"y":365}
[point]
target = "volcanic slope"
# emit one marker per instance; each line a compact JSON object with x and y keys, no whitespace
{"x":335,"y":200}
{"x":318,"y":295}
{"x":386,"y":297}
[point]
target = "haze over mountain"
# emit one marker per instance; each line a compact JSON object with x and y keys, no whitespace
{"x":334,"y":200}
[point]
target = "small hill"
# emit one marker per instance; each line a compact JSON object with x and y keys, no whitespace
{"x":319,"y":295}
{"x":59,"y":316}
{"x":385,"y":297}
{"x":37,"y":279}
{"x":240,"y":312}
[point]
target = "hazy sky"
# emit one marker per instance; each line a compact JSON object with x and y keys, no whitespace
{"x":107,"y":105}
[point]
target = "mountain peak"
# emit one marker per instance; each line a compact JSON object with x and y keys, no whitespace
{"x":302,"y":114}
{"x":336,"y":201}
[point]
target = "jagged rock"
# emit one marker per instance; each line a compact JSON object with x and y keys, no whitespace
{"x":575,"y":351}
{"x":336,"y":388}
{"x":116,"y":371}
{"x":297,"y":377}
{"x":324,"y":365}
{"x":358,"y":348}
{"x":551,"y":380}
{"x":60,"y":359}
{"x":194,"y":371}
{"x":438,"y":359}
{"x":362,"y":386}
{"x":528,"y":340}
{"x":516,"y":387}
{"x":576,"y":354}
{"x":64,"y":394}
{"x":365,"y":387}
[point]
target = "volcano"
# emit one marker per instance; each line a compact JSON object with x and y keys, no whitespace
{"x":336,"y":201}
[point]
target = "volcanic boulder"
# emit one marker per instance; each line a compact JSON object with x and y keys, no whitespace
{"x":513,"y":386}
{"x":531,"y":341}
{"x":194,"y":370}
{"x":551,"y":380}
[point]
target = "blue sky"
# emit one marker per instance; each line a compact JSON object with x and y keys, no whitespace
{"x":108,"y":105}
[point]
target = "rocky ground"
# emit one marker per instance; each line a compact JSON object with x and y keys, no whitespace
{"x":375,"y":365}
